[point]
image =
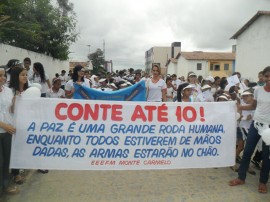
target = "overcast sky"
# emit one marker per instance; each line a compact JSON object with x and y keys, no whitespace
{"x":131,"y":27}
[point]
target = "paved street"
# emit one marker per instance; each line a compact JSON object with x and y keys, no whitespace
{"x":155,"y":185}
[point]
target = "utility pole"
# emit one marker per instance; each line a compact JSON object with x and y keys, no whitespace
{"x":89,"y":47}
{"x":104,"y":49}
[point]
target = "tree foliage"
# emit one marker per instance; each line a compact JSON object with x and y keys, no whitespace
{"x":97,"y":59}
{"x":39,"y":26}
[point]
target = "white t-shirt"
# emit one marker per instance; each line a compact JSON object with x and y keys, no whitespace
{"x":51,"y":94}
{"x":118,"y":79}
{"x":69,"y":84}
{"x":176,"y":83}
{"x":242,"y":86}
{"x":30,"y":73}
{"x":205,"y":96}
{"x":195,"y":91}
{"x":244,"y":123}
{"x":64,"y":79}
{"x":5,"y":103}
{"x":154,"y":90}
{"x":44,"y":85}
{"x":170,"y":93}
{"x":95,"y":84}
{"x":214,"y":89}
{"x":7,"y":80}
{"x":262,"y":112}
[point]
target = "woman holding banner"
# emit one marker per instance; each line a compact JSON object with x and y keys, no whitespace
{"x":18,"y":84}
{"x":6,"y":131}
{"x":77,"y":78}
{"x":156,"y":87}
{"x":260,"y":127}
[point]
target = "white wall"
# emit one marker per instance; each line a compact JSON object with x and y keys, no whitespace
{"x":171,"y":69}
{"x":184,"y":66}
{"x":253,"y":46}
{"x":50,"y":64}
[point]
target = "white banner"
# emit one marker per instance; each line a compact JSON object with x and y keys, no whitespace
{"x":70,"y":134}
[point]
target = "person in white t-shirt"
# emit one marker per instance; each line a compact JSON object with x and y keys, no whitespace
{"x":205,"y":95}
{"x":184,"y":92}
{"x":156,"y":87}
{"x":56,"y":91}
{"x":216,"y":85}
{"x":175,"y":82}
{"x":10,"y":66}
{"x":170,"y":89}
{"x":192,"y":80}
{"x":40,"y":77}
{"x":241,"y":85}
{"x":261,"y":104}
{"x":138,"y":77}
{"x":77,"y":78}
{"x":27,"y":66}
{"x":95,"y":81}
{"x":245,"y":120}
{"x":7,"y":128}
{"x":64,"y":79}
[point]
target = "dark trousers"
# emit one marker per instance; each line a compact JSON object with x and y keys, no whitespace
{"x":258,"y":156}
{"x":252,"y":140}
{"x":5,"y":149}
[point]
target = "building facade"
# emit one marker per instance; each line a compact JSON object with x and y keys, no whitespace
{"x":253,"y":45}
{"x":202,"y":63}
{"x":160,"y":55}
{"x":87,"y":65}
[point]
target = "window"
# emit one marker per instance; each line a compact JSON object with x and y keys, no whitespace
{"x":226,"y":66}
{"x":199,"y":66}
{"x":216,"y":67}
{"x":211,"y":67}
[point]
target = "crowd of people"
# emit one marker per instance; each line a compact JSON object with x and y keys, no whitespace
{"x":253,"y":104}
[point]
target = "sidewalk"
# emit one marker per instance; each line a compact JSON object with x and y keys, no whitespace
{"x":153,"y":185}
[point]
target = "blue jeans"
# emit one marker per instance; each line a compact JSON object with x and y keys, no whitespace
{"x":252,"y":139}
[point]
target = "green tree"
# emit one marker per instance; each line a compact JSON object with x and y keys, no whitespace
{"x":39,"y":26}
{"x":97,"y":60}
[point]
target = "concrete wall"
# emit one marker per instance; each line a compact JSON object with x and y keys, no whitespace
{"x":50,"y":64}
{"x":253,"y":45}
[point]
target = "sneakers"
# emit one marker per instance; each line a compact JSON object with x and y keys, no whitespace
{"x":11,"y":190}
